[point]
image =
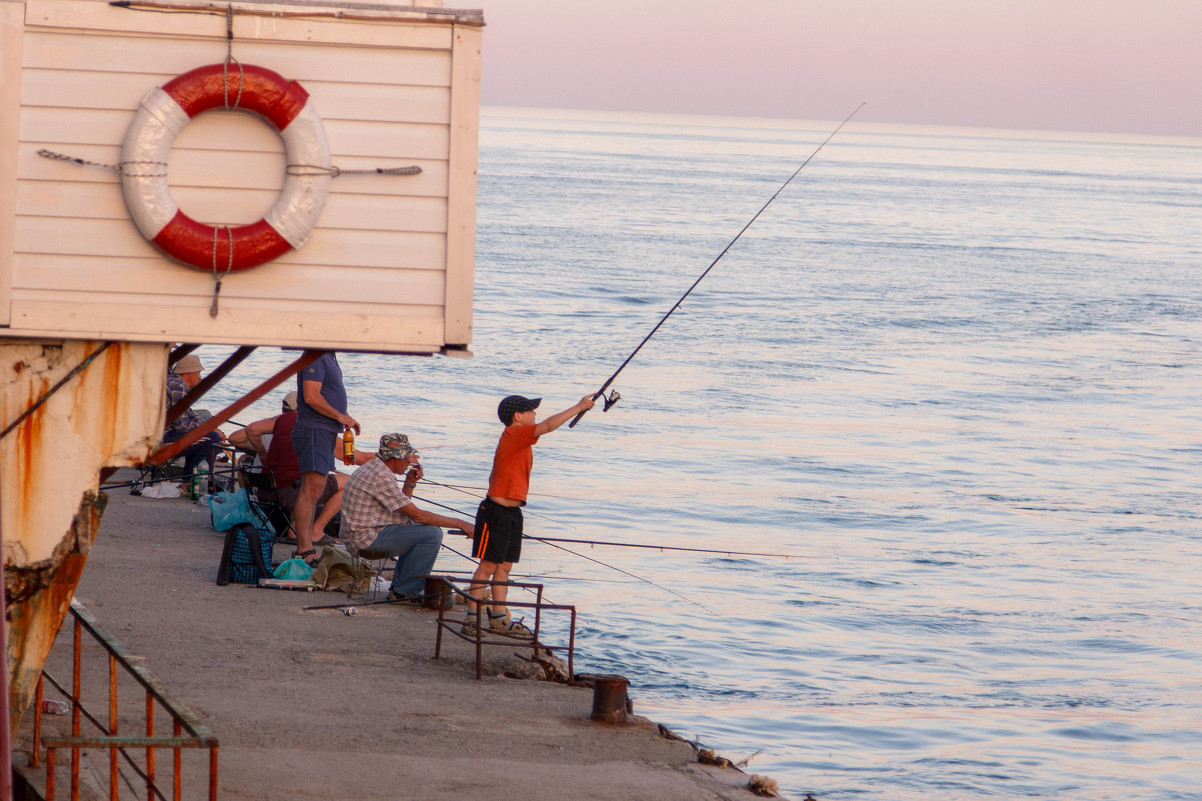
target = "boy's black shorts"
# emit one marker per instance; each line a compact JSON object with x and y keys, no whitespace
{"x":498,"y":536}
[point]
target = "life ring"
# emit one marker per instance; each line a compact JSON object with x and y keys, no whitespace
{"x":165,"y":111}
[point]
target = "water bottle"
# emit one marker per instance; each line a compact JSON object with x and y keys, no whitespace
{"x":348,"y":446}
{"x":55,"y":707}
{"x":201,"y":479}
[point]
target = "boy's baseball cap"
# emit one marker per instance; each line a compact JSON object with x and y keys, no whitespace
{"x":394,"y":446}
{"x":290,"y":401}
{"x":515,"y":404}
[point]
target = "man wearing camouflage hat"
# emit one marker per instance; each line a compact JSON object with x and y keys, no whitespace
{"x":379,"y":516}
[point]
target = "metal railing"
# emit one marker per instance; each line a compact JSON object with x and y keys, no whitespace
{"x":479,"y":638}
{"x":186,"y":731}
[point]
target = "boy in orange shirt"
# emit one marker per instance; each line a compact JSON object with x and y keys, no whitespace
{"x":497,"y":542}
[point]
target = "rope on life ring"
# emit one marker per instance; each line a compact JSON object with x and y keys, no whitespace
{"x":165,"y":111}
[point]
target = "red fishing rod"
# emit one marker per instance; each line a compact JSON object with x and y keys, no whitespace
{"x":615,"y":397}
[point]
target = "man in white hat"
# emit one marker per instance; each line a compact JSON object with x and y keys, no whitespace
{"x":182,"y":379}
{"x":245,"y":439}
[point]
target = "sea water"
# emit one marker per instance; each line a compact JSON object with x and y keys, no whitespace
{"x":953,"y":373}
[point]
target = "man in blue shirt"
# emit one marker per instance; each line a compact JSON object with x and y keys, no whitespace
{"x":320,"y":418}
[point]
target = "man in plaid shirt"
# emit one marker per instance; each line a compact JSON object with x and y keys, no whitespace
{"x":180,"y":381}
{"x":379,"y":515}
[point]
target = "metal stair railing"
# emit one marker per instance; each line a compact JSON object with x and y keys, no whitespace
{"x":187,"y":732}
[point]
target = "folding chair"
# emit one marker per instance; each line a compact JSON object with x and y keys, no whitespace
{"x":157,"y":474}
{"x":260,"y":486}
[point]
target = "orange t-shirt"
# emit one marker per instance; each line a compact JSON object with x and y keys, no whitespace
{"x":510,"y":477}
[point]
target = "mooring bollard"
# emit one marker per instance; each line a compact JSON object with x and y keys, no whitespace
{"x":438,"y":594}
{"x":610,"y":704}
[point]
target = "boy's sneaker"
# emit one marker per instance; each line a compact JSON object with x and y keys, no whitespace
{"x":504,"y":624}
{"x":470,"y":624}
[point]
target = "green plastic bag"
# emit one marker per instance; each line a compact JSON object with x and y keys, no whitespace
{"x":294,"y":569}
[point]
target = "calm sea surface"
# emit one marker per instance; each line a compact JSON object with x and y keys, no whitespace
{"x":956,"y":372}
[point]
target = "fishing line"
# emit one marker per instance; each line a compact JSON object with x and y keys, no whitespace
{"x":676,"y":548}
{"x":481,"y":497}
{"x":628,"y":573}
{"x":615,"y":397}
{"x":553,"y":576}
{"x":591,"y":559}
{"x":485,"y":489}
{"x":477,"y":562}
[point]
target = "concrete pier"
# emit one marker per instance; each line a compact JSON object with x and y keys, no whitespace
{"x":322,"y":705}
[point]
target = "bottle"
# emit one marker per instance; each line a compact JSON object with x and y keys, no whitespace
{"x":200,"y":486}
{"x":55,"y":707}
{"x":194,"y":486}
{"x":348,"y":446}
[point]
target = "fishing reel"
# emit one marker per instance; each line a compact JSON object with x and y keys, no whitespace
{"x":613,"y":398}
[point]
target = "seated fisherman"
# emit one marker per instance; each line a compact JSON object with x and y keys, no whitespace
{"x":279,"y":458}
{"x":379,"y":515}
{"x":180,"y":381}
{"x":240,"y":439}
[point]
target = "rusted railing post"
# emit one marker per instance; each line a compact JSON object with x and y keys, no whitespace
{"x":120,"y":747}
{"x":113,"y":776}
{"x":150,"y":786}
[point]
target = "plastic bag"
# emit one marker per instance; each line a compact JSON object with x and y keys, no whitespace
{"x":231,"y":508}
{"x":163,"y":490}
{"x":294,"y":568}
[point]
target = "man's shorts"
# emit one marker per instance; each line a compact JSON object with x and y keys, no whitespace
{"x":498,"y":536}
{"x":287,"y":495}
{"x":314,"y":449}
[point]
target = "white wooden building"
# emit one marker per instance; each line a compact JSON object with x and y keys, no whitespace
{"x":389,"y":263}
{"x":89,"y":306}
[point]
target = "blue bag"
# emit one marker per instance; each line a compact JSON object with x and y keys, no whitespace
{"x":228,"y":509}
{"x":246,"y":557}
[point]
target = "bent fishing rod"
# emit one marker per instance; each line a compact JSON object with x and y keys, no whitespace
{"x":615,"y":397}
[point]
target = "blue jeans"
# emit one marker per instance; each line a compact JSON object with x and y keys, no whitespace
{"x":416,"y":548}
{"x":197,"y":452}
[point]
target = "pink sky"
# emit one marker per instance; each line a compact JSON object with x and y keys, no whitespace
{"x":1129,"y":66}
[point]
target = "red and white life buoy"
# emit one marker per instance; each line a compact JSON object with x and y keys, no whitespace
{"x":165,"y":111}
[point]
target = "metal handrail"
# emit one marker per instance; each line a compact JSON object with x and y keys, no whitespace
{"x":538,"y":605}
{"x":187,"y":731}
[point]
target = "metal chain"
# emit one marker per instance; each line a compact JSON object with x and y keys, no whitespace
{"x":161,"y":167}
{"x":317,"y":169}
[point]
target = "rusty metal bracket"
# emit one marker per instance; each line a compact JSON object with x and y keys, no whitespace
{"x":208,"y":382}
{"x":167,"y":452}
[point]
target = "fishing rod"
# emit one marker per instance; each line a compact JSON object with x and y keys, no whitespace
{"x":615,"y":397}
{"x":627,"y":573}
{"x":465,"y":487}
{"x":481,"y":497}
{"x":554,"y":544}
{"x":477,"y":563}
{"x":670,"y":548}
